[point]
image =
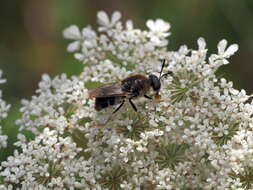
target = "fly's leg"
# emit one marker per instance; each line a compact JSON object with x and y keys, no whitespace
{"x":110,"y":117}
{"x":132,"y":104}
{"x":118,"y":107}
{"x":148,"y":97}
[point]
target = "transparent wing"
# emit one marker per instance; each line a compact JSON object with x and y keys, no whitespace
{"x":108,"y":90}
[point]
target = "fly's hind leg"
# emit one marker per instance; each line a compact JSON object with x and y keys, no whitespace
{"x":117,"y":109}
{"x":110,"y":117}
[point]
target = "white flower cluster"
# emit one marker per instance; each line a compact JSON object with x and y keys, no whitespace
{"x":48,"y":159}
{"x":4,"y":108}
{"x":198,"y":136}
{"x":60,"y":104}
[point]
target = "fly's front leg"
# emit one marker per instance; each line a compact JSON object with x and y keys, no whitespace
{"x":148,"y":97}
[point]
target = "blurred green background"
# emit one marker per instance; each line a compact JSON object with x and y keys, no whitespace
{"x":31,"y":41}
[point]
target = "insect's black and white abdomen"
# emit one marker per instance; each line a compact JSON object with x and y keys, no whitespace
{"x":104,"y":102}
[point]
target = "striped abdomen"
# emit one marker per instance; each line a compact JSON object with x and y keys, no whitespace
{"x":104,"y":102}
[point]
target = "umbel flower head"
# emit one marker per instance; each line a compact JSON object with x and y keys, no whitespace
{"x":198,"y":136}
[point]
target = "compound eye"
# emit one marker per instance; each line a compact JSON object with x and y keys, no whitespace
{"x":154,"y":82}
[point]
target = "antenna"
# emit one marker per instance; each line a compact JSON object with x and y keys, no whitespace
{"x":163,"y":64}
{"x":164,"y":75}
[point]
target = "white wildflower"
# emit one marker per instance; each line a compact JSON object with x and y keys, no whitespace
{"x":223,"y":53}
{"x":159,"y":27}
{"x":158,"y":31}
{"x":226,"y":53}
{"x":105,"y":21}
{"x":42,"y":158}
{"x":73,"y":33}
{"x":198,"y":136}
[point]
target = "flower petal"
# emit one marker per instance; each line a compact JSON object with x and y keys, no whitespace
{"x":72,"y":32}
{"x":222,"y":46}
{"x":103,"y":18}
{"x":79,"y":56}
{"x":224,"y":62}
{"x":150,"y":24}
{"x":115,"y":17}
{"x":2,"y":81}
{"x":183,"y":50}
{"x":234,"y":91}
{"x":129,"y":25}
{"x":231,"y":50}
{"x":161,"y":25}
{"x":74,"y":46}
{"x":89,"y":33}
{"x":201,"y":43}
